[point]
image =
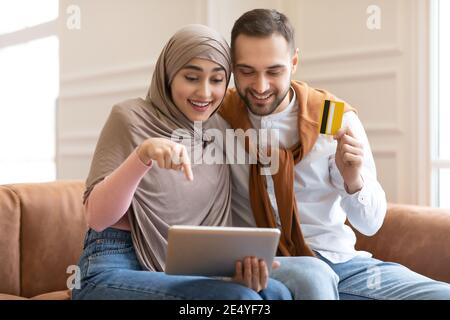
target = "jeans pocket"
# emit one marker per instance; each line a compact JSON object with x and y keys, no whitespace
{"x":110,"y":246}
{"x":124,"y":258}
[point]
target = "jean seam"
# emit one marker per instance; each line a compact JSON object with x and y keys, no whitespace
{"x":159,"y":293}
{"x":88,"y":268}
{"x":359,"y":294}
{"x":110,"y":252}
{"x":110,"y":241}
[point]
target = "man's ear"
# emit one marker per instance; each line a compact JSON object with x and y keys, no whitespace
{"x":295,"y":60}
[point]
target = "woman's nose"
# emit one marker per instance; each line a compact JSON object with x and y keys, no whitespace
{"x":205,"y":90}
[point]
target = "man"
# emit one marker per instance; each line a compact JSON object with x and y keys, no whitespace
{"x":321,"y":182}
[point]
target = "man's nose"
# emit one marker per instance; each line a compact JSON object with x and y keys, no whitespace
{"x":261,"y":84}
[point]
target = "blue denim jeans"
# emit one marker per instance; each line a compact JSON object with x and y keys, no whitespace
{"x":363,"y":278}
{"x":360,"y":278}
{"x":110,"y":270}
{"x":308,"y":278}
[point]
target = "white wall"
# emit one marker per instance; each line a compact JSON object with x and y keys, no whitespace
{"x":377,"y":71}
{"x":108,"y":60}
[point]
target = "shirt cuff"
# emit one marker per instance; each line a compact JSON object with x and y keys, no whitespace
{"x":361,"y":197}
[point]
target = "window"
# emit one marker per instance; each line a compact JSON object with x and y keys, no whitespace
{"x":29,"y":82}
{"x":440,"y":76}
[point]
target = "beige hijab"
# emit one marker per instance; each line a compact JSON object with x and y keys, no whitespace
{"x":164,"y":197}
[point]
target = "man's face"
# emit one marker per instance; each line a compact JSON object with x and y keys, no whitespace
{"x":262,"y":72}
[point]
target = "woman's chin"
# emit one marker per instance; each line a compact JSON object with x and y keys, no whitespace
{"x":199,"y":117}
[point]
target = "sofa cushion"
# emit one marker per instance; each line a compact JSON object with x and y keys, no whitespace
{"x":4,"y":296}
{"x":9,"y":240}
{"x":52,"y":230}
{"x":55,"y":295}
{"x":416,"y":236}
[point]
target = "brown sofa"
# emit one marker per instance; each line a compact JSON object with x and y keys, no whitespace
{"x":42,"y":228}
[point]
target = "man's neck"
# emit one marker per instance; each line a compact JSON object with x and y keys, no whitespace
{"x":283,"y":105}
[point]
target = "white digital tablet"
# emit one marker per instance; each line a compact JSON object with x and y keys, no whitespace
{"x":213,"y":251}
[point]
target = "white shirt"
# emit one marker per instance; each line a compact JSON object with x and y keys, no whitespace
{"x":322,"y":200}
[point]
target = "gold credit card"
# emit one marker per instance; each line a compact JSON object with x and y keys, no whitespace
{"x":331,"y":117}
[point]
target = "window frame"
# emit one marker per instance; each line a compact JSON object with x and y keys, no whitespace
{"x":437,"y":163}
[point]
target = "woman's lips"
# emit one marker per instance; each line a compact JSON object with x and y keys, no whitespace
{"x":200,"y":106}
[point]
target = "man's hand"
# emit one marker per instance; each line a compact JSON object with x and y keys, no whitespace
{"x":253,"y":273}
{"x":349,"y":159}
{"x":168,"y":155}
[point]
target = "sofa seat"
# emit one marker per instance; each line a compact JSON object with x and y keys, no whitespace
{"x":42,"y":227}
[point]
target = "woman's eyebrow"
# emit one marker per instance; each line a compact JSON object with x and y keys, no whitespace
{"x":193,"y":67}
{"x":197,"y":68}
{"x":216,"y":69}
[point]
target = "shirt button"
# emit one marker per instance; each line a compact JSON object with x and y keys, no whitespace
{"x":363,"y":200}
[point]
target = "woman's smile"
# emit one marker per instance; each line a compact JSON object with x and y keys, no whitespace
{"x":200,"y":105}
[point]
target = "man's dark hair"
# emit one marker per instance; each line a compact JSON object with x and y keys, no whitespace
{"x":263,"y":23}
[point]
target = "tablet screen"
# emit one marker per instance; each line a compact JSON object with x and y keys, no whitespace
{"x":213,"y":251}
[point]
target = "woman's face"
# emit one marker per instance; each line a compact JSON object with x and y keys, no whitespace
{"x":198,"y":88}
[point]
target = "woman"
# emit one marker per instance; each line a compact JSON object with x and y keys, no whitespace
{"x":131,"y":202}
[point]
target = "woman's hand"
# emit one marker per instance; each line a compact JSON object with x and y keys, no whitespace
{"x":168,"y":155}
{"x":253,"y":273}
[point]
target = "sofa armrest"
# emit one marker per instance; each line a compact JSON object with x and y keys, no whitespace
{"x":415,"y":236}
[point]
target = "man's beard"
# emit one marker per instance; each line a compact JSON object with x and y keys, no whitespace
{"x":267,"y":109}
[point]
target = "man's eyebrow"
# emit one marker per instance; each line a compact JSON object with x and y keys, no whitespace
{"x":241,"y":65}
{"x":275,"y":66}
{"x":197,"y":68}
